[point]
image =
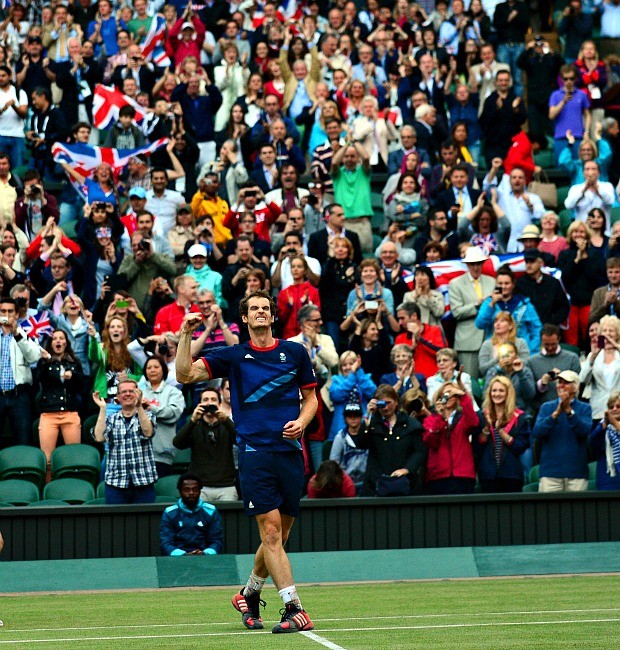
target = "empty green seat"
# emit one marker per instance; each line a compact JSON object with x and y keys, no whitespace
{"x":71,"y":490}
{"x":76,"y":461}
{"x":592,"y":470}
{"x":167,"y":487}
{"x":99,"y":501}
{"x":23,"y":462}
{"x":562,"y":194}
{"x":530,"y":487}
{"x":566,"y":218}
{"x":49,"y":503}
{"x":535,"y":474}
{"x":182,"y":461}
{"x":101,"y":489}
{"x":18,"y":492}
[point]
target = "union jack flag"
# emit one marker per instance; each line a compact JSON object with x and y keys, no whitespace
{"x":37,"y":326}
{"x":108,"y":101}
{"x":449,"y":270}
{"x":152,"y":47}
{"x":84,"y":159}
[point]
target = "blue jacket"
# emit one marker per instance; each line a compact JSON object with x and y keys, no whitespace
{"x":510,"y":459}
{"x":524,"y":314}
{"x":597,"y":446}
{"x":182,"y":530}
{"x":564,"y":451}
{"x":340,"y":390}
{"x":391,"y":378}
{"x":199,"y":113}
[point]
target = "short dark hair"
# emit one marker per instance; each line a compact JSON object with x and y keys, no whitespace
{"x":41,"y":91}
{"x":162,"y":364}
{"x":81,"y":125}
{"x":5,"y":69}
{"x":189,"y":476}
{"x":459,"y":168}
{"x":506,"y":270}
{"x":8,"y":301}
{"x":549,"y":329}
{"x":212,"y":389}
{"x":159,"y":169}
{"x":294,"y":233}
{"x":243,"y":305}
{"x":127,"y":111}
{"x":31,"y":174}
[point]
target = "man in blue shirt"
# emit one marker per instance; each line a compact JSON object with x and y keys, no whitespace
{"x":191,"y":526}
{"x":266,"y":377}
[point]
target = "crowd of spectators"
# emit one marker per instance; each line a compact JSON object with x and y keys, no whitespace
{"x":282,"y":120}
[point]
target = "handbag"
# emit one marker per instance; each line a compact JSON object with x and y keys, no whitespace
{"x":547,"y":191}
{"x":392,"y":486}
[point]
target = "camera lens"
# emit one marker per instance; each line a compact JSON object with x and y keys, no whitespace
{"x":163,"y":349}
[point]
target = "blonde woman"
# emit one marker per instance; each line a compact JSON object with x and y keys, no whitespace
{"x":504,"y":331}
{"x":230,"y":77}
{"x":601,"y":370}
{"x":318,"y":135}
{"x":505,"y":436}
{"x":604,"y":444}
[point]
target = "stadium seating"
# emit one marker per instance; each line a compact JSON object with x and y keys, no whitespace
{"x":562,"y":194}
{"x":52,"y":503}
{"x":165,"y":499}
{"x":101,"y":490}
{"x":566,"y":218}
{"x":76,"y":461}
{"x":182,"y":461}
{"x":18,"y":492}
{"x":592,"y":471}
{"x":530,"y":487}
{"x":167,"y":487}
{"x":71,"y":490}
{"x":99,"y":501}
{"x":23,"y":462}
{"x":4,"y":504}
{"x":534,"y":476}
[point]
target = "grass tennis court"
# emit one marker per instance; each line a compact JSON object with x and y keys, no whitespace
{"x":568,"y":612}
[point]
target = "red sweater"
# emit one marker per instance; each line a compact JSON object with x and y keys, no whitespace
{"x":431,"y":340}
{"x":266,"y":216}
{"x":302,"y":294}
{"x":449,"y":450}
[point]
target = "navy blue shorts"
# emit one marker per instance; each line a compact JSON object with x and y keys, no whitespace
{"x":271,"y":481}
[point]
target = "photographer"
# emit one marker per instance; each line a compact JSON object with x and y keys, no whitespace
{"x":234,"y":279}
{"x":576,"y":27}
{"x":281,"y":276}
{"x":230,"y":169}
{"x":206,"y":201}
{"x":247,"y":228}
{"x":203,"y":235}
{"x":251,"y":198}
{"x":211,"y":436}
{"x":394,"y":443}
{"x":509,"y":365}
{"x":35,"y":206}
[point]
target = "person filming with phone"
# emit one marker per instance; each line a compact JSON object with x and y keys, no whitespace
{"x":211,"y":436}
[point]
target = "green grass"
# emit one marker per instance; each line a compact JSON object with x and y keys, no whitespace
{"x":570,"y":612}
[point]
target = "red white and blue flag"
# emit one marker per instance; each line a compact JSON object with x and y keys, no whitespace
{"x":37,"y":325}
{"x":84,"y":159}
{"x":449,"y":270}
{"x":108,"y":101}
{"x":153,"y":45}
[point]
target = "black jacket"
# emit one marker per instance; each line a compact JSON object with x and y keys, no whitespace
{"x":56,"y":394}
{"x":542,"y":73}
{"x":547,"y":296}
{"x":402,"y":447}
{"x":317,"y":245}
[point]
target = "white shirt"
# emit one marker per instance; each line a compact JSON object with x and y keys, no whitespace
{"x":286,"y":276}
{"x":581,"y":203}
{"x":516,"y":209}
{"x":11,"y":124}
{"x":164,"y":208}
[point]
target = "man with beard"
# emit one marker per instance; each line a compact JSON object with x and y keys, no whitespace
{"x":191,"y":527}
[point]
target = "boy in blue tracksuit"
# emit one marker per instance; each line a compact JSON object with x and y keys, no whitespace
{"x":191,"y":527}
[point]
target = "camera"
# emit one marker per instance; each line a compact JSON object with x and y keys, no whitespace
{"x":291,"y":251}
{"x":497,"y":290}
{"x":20,"y":303}
{"x":4,"y":320}
{"x":552,"y":374}
{"x":416,"y":405}
{"x":371,"y":305}
{"x":163,"y":349}
{"x":313,"y":200}
{"x":381,"y":403}
{"x":210,"y":408}
{"x":145,"y":245}
{"x":250,"y":193}
{"x":444,"y":399}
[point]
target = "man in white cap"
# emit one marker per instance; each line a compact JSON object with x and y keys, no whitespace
{"x":466,"y":294}
{"x":562,"y":428}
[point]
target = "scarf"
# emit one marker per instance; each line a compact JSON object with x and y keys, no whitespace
{"x":612,"y":449}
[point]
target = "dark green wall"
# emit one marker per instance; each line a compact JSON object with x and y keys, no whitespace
{"x":326,"y":525}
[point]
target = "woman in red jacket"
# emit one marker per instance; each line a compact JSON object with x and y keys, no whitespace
{"x":293,"y":298}
{"x":330,"y":482}
{"x":450,"y":464}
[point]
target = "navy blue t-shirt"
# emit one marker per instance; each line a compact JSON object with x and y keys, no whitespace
{"x":264,"y":390}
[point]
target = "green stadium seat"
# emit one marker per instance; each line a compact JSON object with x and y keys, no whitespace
{"x":49,"y":503}
{"x":99,"y":501}
{"x":530,"y":487}
{"x":17,"y":492}
{"x":76,"y":461}
{"x":182,"y":461}
{"x":165,"y":499}
{"x":101,"y":490}
{"x":326,"y":449}
{"x":87,"y":426}
{"x":592,"y":470}
{"x":566,"y":218}
{"x":592,"y":485}
{"x":562,"y":194}
{"x":70,"y":228}
{"x":167,"y":487}
{"x":71,"y":490}
{"x":544,"y":159}
{"x":534,"y":476}
{"x":614,"y":215}
{"x":23,"y":462}
{"x":4,"y":504}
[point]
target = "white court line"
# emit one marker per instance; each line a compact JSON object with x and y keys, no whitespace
{"x":322,"y":641}
{"x":325,"y":620}
{"x":330,"y":631}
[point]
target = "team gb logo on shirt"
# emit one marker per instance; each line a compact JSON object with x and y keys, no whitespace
{"x":282,"y":357}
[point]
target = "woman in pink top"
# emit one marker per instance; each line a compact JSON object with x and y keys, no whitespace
{"x":551,"y":242}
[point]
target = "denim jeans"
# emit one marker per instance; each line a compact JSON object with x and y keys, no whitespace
{"x":509,"y":54}
{"x":15,"y":148}
{"x":132,"y":494}
{"x":18,"y":408}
